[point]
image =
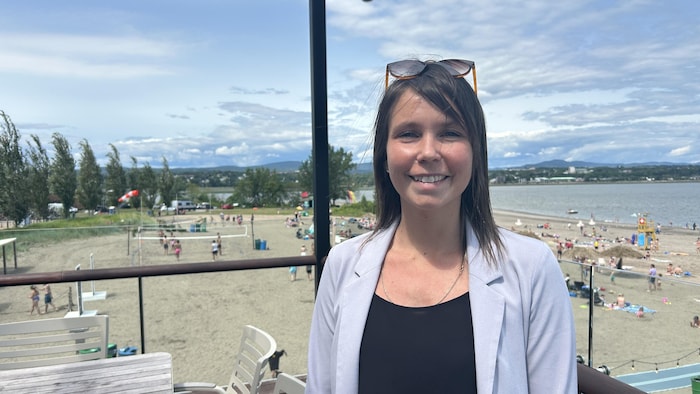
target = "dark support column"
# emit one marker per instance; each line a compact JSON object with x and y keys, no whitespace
{"x":319,"y":114}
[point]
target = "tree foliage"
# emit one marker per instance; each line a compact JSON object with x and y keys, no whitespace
{"x":62,"y":179}
{"x":89,"y":178}
{"x":144,"y":180}
{"x":166,"y":183}
{"x":115,"y":179}
{"x":37,"y":177}
{"x":260,"y":187}
{"x":13,"y":173}
{"x":340,"y":166}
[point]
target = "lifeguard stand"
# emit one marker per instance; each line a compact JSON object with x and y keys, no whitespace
{"x":645,"y":232}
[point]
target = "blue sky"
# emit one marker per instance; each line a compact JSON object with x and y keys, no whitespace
{"x":220,"y":82}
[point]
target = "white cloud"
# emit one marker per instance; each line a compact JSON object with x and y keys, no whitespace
{"x":228,"y":83}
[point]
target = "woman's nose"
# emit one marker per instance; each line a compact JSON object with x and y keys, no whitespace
{"x":429,"y":149}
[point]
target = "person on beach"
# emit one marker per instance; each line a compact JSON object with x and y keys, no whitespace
{"x":48,"y":299}
{"x":165,"y":245}
{"x":309,"y":268}
{"x":178,"y":249}
{"x":695,"y":323}
{"x":292,"y":273}
{"x":560,"y":250}
{"x":640,"y":312}
{"x":437,"y":287}
{"x":214,"y":250}
{"x":678,"y":271}
{"x":34,"y":295}
{"x":652,"y":278}
{"x":218,"y":241}
{"x":620,"y":301}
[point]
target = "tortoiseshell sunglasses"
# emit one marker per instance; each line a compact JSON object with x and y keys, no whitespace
{"x":407,"y":69}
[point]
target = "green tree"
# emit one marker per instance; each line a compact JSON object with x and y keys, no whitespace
{"x":166,"y":183}
{"x":115,"y":179}
{"x":89,"y":178}
{"x":148,"y":185}
{"x":340,"y":166}
{"x":13,"y":173}
{"x":260,"y":187}
{"x":133,"y":180}
{"x":38,"y":177}
{"x":62,"y":179}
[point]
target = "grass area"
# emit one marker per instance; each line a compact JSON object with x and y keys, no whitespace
{"x":354,"y":210}
{"x":82,"y":226}
{"x":85,"y":225}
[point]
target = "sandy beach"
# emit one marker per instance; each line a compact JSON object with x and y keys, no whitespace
{"x":198,"y":318}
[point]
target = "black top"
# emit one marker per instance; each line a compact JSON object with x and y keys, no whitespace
{"x":418,"y":350}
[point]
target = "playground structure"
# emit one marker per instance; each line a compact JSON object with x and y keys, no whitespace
{"x":646,"y":234}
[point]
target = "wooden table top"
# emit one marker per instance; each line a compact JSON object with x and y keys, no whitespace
{"x":143,"y":373}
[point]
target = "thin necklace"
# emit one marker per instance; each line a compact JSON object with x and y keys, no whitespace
{"x":459,"y":274}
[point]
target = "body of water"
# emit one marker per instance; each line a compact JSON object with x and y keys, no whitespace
{"x":676,"y":204}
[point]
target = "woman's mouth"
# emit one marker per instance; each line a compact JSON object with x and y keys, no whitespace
{"x":429,"y":178}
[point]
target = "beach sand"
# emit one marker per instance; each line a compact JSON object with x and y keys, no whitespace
{"x":198,"y":318}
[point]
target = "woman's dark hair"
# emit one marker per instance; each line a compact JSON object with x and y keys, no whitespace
{"x":457,"y":100}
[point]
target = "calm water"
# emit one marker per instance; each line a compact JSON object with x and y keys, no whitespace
{"x":665,"y":203}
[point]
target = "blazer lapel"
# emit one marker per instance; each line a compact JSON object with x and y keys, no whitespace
{"x":354,"y":307}
{"x":488,"y":309}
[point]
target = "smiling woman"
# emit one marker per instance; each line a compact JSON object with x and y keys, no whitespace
{"x":437,"y":287}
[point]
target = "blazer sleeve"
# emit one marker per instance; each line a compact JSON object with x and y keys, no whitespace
{"x":551,"y":349}
{"x":321,"y":373}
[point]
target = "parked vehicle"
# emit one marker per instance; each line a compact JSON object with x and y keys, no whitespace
{"x":183,"y":205}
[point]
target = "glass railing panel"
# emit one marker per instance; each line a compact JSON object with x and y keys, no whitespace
{"x":623,"y":339}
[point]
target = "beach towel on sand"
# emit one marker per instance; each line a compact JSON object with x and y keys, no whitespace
{"x":634,"y":308}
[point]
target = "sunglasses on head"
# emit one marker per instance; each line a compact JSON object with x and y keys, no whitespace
{"x":407,"y":69}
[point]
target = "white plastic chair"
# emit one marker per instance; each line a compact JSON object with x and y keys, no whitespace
{"x":36,"y":343}
{"x":288,"y":384}
{"x":249,"y":366}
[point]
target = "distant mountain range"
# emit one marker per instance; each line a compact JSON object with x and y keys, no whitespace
{"x":292,"y":166}
{"x":565,"y":164}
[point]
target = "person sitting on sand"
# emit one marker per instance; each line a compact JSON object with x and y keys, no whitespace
{"x":620,"y":301}
{"x":678,"y":271}
{"x":640,"y":312}
{"x":669,"y":269}
{"x":696,"y":322}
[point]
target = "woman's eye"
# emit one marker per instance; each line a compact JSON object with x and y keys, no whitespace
{"x":407,"y":134}
{"x":453,"y":134}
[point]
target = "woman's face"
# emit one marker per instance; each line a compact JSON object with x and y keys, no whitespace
{"x":429,"y":157}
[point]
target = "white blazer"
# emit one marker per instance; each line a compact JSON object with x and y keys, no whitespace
{"x":524,"y":336}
